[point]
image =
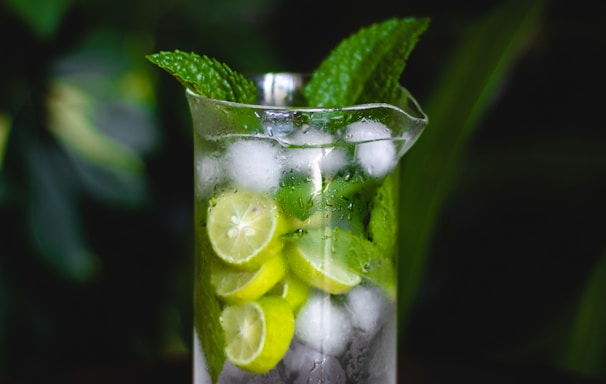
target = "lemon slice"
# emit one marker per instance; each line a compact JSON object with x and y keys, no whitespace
{"x":293,"y":290}
{"x":258,"y":333}
{"x":315,"y":264}
{"x":244,"y":228}
{"x":238,"y":286}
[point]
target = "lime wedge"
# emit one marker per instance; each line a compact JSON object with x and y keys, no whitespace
{"x":258,"y":333}
{"x":293,"y":290}
{"x":313,"y":260}
{"x":236,"y":286}
{"x":244,"y":228}
{"x":346,"y":254}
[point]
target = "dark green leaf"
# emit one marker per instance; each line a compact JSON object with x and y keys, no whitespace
{"x":483,"y":57}
{"x":366,"y":67}
{"x":585,"y":350}
{"x":43,"y":16}
{"x":206,"y":76}
{"x":53,"y":217}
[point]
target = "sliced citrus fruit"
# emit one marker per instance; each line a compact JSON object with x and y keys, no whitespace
{"x":238,"y":286}
{"x":244,"y":228}
{"x":315,"y":263}
{"x":293,"y":290}
{"x":258,"y":333}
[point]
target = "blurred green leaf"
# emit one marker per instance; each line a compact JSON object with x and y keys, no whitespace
{"x":43,"y":16}
{"x":5,"y":125}
{"x":101,"y":111}
{"x":484,"y":54}
{"x":53,"y":217}
{"x":118,"y":186}
{"x":5,"y":299}
{"x":585,"y":351}
{"x":70,"y":120}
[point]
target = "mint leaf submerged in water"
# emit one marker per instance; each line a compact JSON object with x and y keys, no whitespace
{"x":382,"y":226}
{"x":206,"y":76}
{"x":339,"y":201}
{"x":366,"y":67}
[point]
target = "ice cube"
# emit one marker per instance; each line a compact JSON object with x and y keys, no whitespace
{"x":303,"y":365}
{"x":310,"y":136}
{"x":209,"y":173}
{"x":278,"y":128}
{"x":324,"y":325}
{"x":234,"y":375}
{"x":377,"y":156}
{"x":367,"y":306}
{"x":382,"y":365}
{"x":329,"y":159}
{"x":255,"y":165}
{"x":201,"y":375}
{"x":332,"y":161}
{"x":303,"y":160}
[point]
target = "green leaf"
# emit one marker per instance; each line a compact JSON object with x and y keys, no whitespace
{"x":5,"y":127}
{"x":206,"y":76}
{"x":105,"y":127}
{"x":481,"y":60}
{"x":383,"y":216}
{"x":366,"y":67}
{"x":53,"y":217}
{"x":585,"y":350}
{"x":340,"y":201}
{"x":207,"y":322}
{"x":43,"y":16}
{"x":70,"y":120}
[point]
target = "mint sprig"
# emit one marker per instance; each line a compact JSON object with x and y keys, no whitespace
{"x":365,"y":67}
{"x":206,"y":76}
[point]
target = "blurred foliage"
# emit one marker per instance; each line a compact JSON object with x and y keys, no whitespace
{"x":584,"y":347}
{"x":502,"y":200}
{"x":481,"y":61}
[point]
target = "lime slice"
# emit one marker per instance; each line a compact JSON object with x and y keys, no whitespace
{"x":258,"y":333}
{"x":236,"y":286}
{"x":314,"y":262}
{"x":244,"y":228}
{"x":293,"y":290}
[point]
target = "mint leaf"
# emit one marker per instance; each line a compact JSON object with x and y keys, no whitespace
{"x":382,"y":226}
{"x":341,"y":201}
{"x":365,"y":67}
{"x":368,"y":259}
{"x":206,"y":76}
{"x":208,"y":309}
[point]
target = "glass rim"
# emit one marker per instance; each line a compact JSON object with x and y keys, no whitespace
{"x":422,"y":118}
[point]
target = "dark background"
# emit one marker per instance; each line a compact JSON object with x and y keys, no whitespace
{"x":95,"y":240}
